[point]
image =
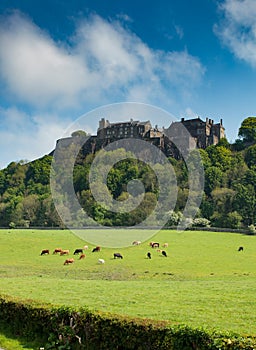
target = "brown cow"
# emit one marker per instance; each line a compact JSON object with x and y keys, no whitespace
{"x":69,"y":261}
{"x":96,"y":249}
{"x":45,"y":251}
{"x":154,"y":244}
{"x":64,"y":252}
{"x":57,"y":250}
{"x":82,"y":256}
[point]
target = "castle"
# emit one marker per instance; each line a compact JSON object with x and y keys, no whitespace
{"x":183,"y":135}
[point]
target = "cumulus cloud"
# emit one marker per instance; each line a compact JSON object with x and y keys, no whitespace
{"x":237,"y":29}
{"x":36,"y":69}
{"x":103,"y":61}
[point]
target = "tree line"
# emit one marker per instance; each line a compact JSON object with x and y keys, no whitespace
{"x":229,"y":196}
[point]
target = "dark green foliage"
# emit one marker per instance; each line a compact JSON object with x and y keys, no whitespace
{"x":229,"y":198}
{"x":39,"y":171}
{"x":65,"y":328}
{"x":250,"y":156}
{"x":247,"y":130}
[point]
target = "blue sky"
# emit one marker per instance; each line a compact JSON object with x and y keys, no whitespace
{"x":61,"y":59}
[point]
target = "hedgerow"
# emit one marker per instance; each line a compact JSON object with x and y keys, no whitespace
{"x":66,"y":328}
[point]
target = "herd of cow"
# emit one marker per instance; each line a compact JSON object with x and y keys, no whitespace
{"x":80,"y":252}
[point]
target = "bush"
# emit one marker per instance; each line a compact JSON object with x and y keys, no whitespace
{"x":252,"y":229}
{"x":64,"y":328}
{"x":201,"y":222}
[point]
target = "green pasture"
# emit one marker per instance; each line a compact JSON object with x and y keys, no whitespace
{"x":204,"y":281}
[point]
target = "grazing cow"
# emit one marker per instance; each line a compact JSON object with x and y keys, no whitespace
{"x":240,"y":249}
{"x":64,"y":252}
{"x":165,"y":245}
{"x":149,"y":255}
{"x":69,"y":261}
{"x":82,"y":256}
{"x":118,"y":255}
{"x":164,"y":253}
{"x":45,"y":251}
{"x":154,"y":244}
{"x":85,"y":247}
{"x":96,"y":249}
{"x":57,"y":250}
{"x":101,"y":261}
{"x":78,"y":251}
{"x":136,"y":242}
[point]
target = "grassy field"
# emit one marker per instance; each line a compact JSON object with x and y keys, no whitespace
{"x":204,"y":281}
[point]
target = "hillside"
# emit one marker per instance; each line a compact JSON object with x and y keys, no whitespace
{"x":229,"y":190}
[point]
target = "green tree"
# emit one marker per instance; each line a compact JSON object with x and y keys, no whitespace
{"x":31,"y":207}
{"x":39,"y":171}
{"x":81,"y":177}
{"x":220,"y":156}
{"x":247,"y":130}
{"x":213,"y":178}
{"x":224,"y":143}
{"x":223,"y":199}
{"x":78,"y":133}
{"x":233,"y":220}
{"x":250,"y":156}
{"x":245,"y":203}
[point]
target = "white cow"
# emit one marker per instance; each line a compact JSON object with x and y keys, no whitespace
{"x":101,"y":261}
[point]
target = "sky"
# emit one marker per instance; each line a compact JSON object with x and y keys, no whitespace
{"x":59,"y":60}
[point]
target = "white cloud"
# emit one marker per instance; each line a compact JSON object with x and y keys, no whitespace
{"x":237,"y":30}
{"x":35,"y":68}
{"x":102,"y":63}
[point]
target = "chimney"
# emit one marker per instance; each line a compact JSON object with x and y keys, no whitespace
{"x":182,"y":119}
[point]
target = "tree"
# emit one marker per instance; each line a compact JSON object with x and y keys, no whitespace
{"x":233,"y":220}
{"x":250,"y":156}
{"x":223,"y":199}
{"x":220,"y":156}
{"x":78,"y":133}
{"x":247,"y":130}
{"x":245,"y":202}
{"x":224,"y":143}
{"x":39,"y":171}
{"x":213,"y":179}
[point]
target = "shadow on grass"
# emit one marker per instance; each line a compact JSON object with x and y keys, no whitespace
{"x":11,"y":341}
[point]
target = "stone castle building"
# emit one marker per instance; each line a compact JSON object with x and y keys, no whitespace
{"x":183,"y":135}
